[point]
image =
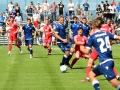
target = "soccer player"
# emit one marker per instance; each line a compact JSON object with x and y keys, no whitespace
{"x":48,"y":36}
{"x":62,"y":42}
{"x":27,"y":30}
{"x":94,"y":55}
{"x":14,"y":28}
{"x":74,"y":27}
{"x":101,"y":42}
{"x":86,"y":28}
{"x":79,"y":40}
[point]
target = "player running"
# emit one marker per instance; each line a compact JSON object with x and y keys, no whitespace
{"x":79,"y":40}
{"x":101,"y":42}
{"x":48,"y":36}
{"x":62,"y":42}
{"x":94,"y":55}
{"x":27,"y":30}
{"x":12,"y":38}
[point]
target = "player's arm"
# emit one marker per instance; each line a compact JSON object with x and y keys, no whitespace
{"x":58,"y":36}
{"x":78,"y":42}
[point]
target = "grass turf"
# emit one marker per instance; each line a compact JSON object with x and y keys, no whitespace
{"x":19,"y":72}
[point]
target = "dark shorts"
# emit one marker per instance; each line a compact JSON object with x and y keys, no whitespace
{"x":64,"y":46}
{"x":28,"y":42}
{"x":106,"y":70}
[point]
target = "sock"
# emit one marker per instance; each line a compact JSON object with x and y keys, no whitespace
{"x":28,"y":49}
{"x":9,"y":47}
{"x":74,"y":61}
{"x":31,"y":51}
{"x":18,"y":45}
{"x":45,"y":47}
{"x":118,"y":88}
{"x":96,"y":85}
{"x":49,"y":51}
{"x":63,"y":60}
{"x":68,"y":59}
{"x":88,"y":71}
{"x":93,"y":64}
{"x":116,"y":74}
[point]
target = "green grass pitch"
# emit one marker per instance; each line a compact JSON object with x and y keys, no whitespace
{"x":19,"y":72}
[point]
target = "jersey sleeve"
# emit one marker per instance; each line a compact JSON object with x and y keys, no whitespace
{"x":111,"y":36}
{"x":33,"y":29}
{"x":23,"y":28}
{"x":57,"y":29}
{"x":71,"y":27}
{"x":89,"y":44}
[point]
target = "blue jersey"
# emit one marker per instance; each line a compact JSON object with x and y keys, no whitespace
{"x":28,"y":31}
{"x":54,"y":24}
{"x":61,"y":30}
{"x":101,"y":42}
{"x":74,"y":27}
{"x":86,"y":29}
{"x":85,"y":5}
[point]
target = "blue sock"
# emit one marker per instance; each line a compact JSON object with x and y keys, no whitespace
{"x":28,"y":49}
{"x":69,"y":57}
{"x":64,"y":59}
{"x":118,"y":88}
{"x":96,"y":85}
{"x":31,"y":51}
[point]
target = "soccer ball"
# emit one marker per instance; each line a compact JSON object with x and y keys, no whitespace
{"x":63,"y":68}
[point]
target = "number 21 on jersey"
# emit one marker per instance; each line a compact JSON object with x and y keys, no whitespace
{"x":104,"y":44}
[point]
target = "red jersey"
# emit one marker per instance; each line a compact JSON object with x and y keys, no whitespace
{"x":36,"y":24}
{"x":13,"y":29}
{"x":107,"y":28}
{"x":80,"y":39}
{"x":47,"y":30}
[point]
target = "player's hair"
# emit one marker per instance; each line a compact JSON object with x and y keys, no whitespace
{"x":108,"y":18}
{"x":84,"y":18}
{"x":11,"y":17}
{"x":28,"y":19}
{"x":80,"y":28}
{"x":61,"y":17}
{"x":96,"y":23}
{"x":74,"y":17}
{"x":101,"y":20}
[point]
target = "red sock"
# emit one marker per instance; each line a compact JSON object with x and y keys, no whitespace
{"x":49,"y":50}
{"x":45,"y":47}
{"x":74,"y":61}
{"x":88,"y":71}
{"x":18,"y":45}
{"x":93,"y":64}
{"x":9,"y":47}
{"x":116,"y":74}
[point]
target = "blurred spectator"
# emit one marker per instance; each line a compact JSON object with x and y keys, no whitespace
{"x":90,"y":17}
{"x":29,"y":12}
{"x":7,"y":13}
{"x":118,"y":7}
{"x":36,"y":15}
{"x":18,"y":18}
{"x":61,"y":8}
{"x":38,"y":5}
{"x":66,"y":15}
{"x":14,"y":10}
{"x":98,"y":10}
{"x":10,"y":6}
{"x":82,"y":16}
{"x":107,"y":13}
{"x":17,"y":8}
{"x":102,"y":5}
{"x":45,"y":9}
{"x":2,"y":22}
{"x":71,"y":7}
{"x":32,"y":5}
{"x":13,"y":15}
{"x":106,"y":4}
{"x":86,"y":6}
{"x":113,"y":3}
{"x":78,"y":10}
{"x":53,"y":9}
{"x":41,"y":13}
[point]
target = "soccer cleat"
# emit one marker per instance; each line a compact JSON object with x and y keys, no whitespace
{"x":85,"y":80}
{"x":21,"y":50}
{"x":9,"y":53}
{"x":31,"y":56}
{"x":49,"y":53}
{"x":70,"y":67}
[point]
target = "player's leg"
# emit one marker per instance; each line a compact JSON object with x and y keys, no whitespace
{"x":49,"y":45}
{"x":30,"y":48}
{"x":18,"y":45}
{"x":77,"y":56}
{"x":9,"y":45}
{"x":116,"y":74}
{"x":93,"y":74}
